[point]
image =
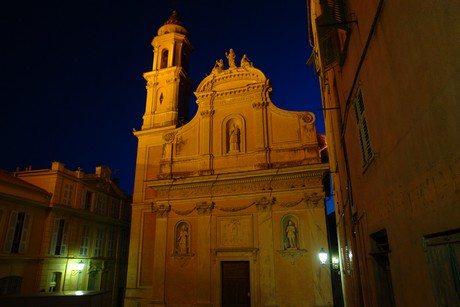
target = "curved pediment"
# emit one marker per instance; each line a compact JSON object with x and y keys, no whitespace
{"x":233,"y":77}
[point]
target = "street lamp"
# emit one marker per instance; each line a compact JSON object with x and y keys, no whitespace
{"x":79,"y":268}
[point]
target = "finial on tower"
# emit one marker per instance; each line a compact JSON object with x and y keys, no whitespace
{"x":174,"y":19}
{"x":173,"y":24}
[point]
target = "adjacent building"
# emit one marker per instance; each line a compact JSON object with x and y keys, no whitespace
{"x":389,"y":73}
{"x":228,"y":208}
{"x":63,"y":231}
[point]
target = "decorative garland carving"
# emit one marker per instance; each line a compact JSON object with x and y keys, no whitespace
{"x":265,"y":203}
{"x":234,"y":209}
{"x":205,"y":207}
{"x":314,"y":199}
{"x":201,"y":208}
{"x":292,"y":203}
{"x":161,"y":209}
{"x":183,"y":212}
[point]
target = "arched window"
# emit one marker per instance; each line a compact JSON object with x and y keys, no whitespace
{"x":164,"y":58}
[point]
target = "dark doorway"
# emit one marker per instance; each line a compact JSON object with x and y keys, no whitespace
{"x":235,"y":284}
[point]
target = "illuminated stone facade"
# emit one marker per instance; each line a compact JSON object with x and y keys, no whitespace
{"x":228,"y":208}
{"x":389,"y":73}
{"x":52,"y":220}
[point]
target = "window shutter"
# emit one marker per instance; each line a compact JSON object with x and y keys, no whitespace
{"x":10,"y":233}
{"x":54,"y":237}
{"x":64,"y":238}
{"x":25,"y":233}
{"x":334,"y":12}
{"x":328,"y":46}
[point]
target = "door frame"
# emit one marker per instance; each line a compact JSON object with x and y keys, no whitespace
{"x":249,"y":255}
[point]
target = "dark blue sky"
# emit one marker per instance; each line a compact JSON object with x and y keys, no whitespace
{"x":71,"y":71}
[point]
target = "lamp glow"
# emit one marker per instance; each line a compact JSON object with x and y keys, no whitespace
{"x":80,"y":265}
{"x":322,"y":256}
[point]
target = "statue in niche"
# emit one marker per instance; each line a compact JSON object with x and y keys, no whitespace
{"x":235,"y":139}
{"x":183,"y":246}
{"x":231,"y":58}
{"x":245,"y":62}
{"x":291,"y":235}
{"x":219,"y":66}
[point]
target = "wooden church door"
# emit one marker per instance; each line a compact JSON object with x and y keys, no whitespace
{"x":235,"y":284}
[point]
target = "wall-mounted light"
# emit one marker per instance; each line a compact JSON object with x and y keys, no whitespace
{"x":80,"y":266}
{"x":322,"y":256}
{"x":334,"y":264}
{"x":78,"y":269}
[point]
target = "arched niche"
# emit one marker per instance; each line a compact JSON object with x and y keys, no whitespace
{"x":233,"y":135}
{"x":182,"y":238}
{"x":164,"y":58}
{"x":290,"y":234}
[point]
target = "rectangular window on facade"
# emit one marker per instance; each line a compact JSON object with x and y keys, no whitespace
{"x":59,"y":238}
{"x":67,"y":194}
{"x":55,"y":282}
{"x":111,"y":243}
{"x":100,"y":205}
{"x":17,"y":236}
{"x":124,"y":242}
{"x":98,"y":242}
{"x":114,"y":208}
{"x":87,"y":200}
{"x":363,"y":130}
{"x":443,"y":255}
{"x":84,"y":245}
{"x":10,"y":285}
{"x":126,"y":212}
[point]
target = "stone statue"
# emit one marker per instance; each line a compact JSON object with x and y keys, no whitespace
{"x":219,"y":66}
{"x":231,"y":58}
{"x":245,"y":62}
{"x":291,"y":235}
{"x":235,"y":139}
{"x":183,"y":241}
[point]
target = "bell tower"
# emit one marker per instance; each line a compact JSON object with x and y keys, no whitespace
{"x":168,"y":87}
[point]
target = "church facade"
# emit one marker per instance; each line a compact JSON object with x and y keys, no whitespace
{"x":229,"y":208}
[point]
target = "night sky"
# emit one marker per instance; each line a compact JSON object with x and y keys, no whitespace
{"x":71,"y":71}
